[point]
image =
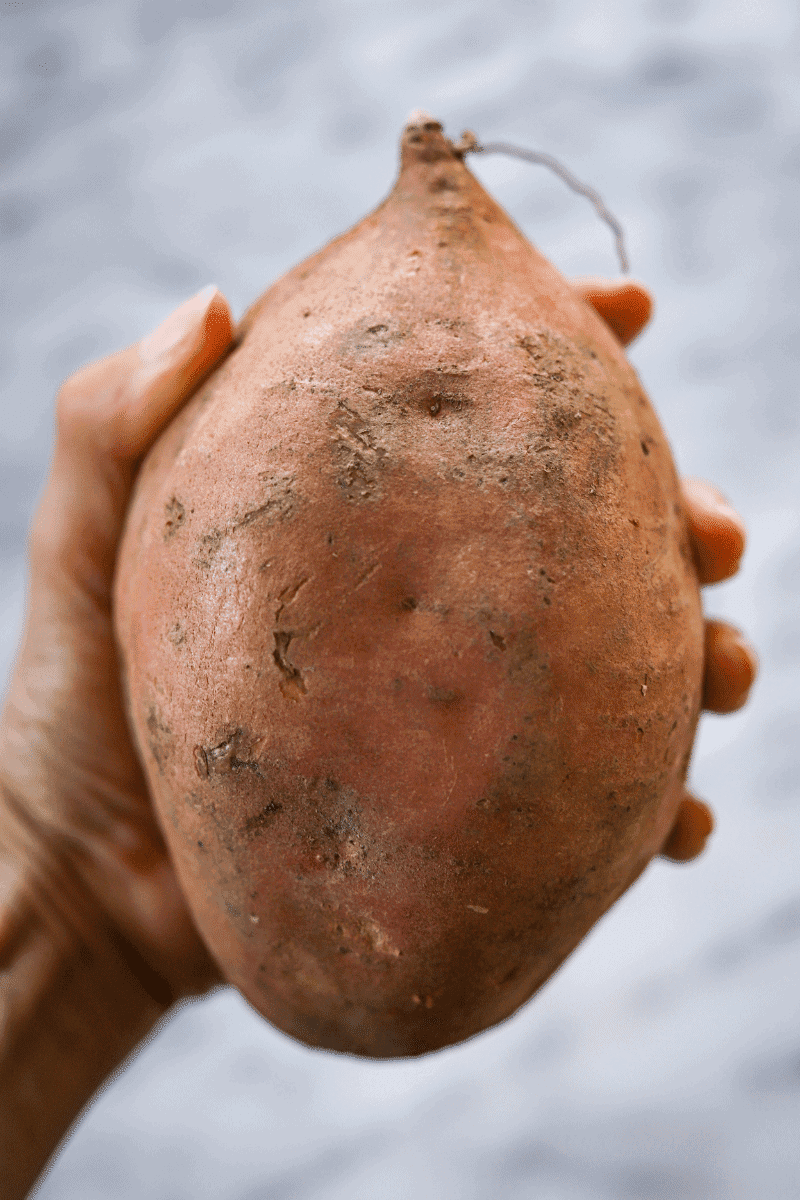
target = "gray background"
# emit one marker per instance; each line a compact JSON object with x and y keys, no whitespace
{"x":150,"y":148}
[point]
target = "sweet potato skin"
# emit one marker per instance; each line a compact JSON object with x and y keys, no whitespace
{"x":410,"y":628}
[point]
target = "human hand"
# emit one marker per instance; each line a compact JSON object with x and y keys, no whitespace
{"x":75,"y":815}
{"x":718,"y":540}
{"x":96,"y":942}
{"x":77,"y":805}
{"x":80,"y":850}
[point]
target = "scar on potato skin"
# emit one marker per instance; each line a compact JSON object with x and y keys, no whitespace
{"x":292,"y":684}
{"x":175,"y":515}
{"x":280,"y":505}
{"x":262,"y":819}
{"x":177,"y":634}
{"x":160,"y":737}
{"x":228,"y":755}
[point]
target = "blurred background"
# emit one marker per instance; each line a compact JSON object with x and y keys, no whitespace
{"x":150,"y":147}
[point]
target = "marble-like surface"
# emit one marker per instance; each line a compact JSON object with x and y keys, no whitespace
{"x":151,"y":147}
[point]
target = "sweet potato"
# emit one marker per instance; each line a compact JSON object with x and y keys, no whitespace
{"x":410,"y":627}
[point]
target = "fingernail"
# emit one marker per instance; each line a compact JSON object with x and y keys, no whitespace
{"x":748,"y":650}
{"x":724,"y":509}
{"x":719,"y":504}
{"x":181,"y":325}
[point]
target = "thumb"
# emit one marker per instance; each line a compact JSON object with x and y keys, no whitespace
{"x":107,"y":416}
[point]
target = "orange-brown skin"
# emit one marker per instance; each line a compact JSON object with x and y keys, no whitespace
{"x":411,"y":628}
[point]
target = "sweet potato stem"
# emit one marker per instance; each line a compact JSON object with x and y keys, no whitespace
{"x":469,"y":144}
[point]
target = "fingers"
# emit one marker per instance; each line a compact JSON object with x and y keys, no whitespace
{"x":731,"y":663}
{"x":693,"y":824}
{"x":718,"y":541}
{"x":625,"y":305}
{"x":108,"y":414}
{"x":731,"y":668}
{"x":716,"y":529}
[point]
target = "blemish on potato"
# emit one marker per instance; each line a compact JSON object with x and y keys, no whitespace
{"x":200,"y":762}
{"x":160,"y":737}
{"x":177,"y":634}
{"x":175,"y":515}
{"x":291,"y":684}
{"x":206,"y":549}
{"x":263,"y":819}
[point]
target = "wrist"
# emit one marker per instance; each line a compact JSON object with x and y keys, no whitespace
{"x":72,"y":1009}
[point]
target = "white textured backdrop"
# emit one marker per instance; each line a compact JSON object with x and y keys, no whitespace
{"x":148,"y":147}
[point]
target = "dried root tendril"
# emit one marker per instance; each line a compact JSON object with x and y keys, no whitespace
{"x":469,"y":144}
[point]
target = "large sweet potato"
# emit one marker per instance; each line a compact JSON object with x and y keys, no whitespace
{"x":410,"y":626}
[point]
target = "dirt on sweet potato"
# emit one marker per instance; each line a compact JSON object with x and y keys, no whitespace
{"x":410,"y":627}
